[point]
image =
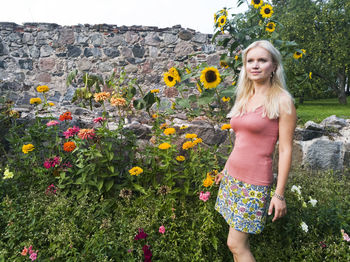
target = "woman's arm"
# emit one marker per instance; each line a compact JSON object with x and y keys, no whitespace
{"x":287,"y":123}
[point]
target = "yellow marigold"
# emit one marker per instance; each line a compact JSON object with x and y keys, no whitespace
{"x":225,"y":99}
{"x":118,"y":101}
{"x":154,"y":115}
{"x":183,"y":127}
{"x":155,"y":91}
{"x":102,"y":96}
{"x":190,"y":136}
{"x":135,"y":171}
{"x":187,"y":145}
{"x":169,"y":131}
{"x":180,"y":158}
{"x":197,"y":141}
{"x":225,"y":126}
{"x":210,"y":77}
{"x":35,"y":101}
{"x":266,"y":11}
{"x":51,"y":104}
{"x":27,"y":148}
{"x":42,"y":89}
{"x":208,"y":181}
{"x":164,"y":146}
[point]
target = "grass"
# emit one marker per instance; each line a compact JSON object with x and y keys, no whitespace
{"x":317,"y":110}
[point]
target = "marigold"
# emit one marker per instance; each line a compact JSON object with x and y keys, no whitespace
{"x":187,"y":145}
{"x":225,"y":99}
{"x":118,"y":101}
{"x":135,"y":171}
{"x":225,"y":126}
{"x":155,"y":91}
{"x":27,"y":148}
{"x":69,"y":146}
{"x":197,"y":141}
{"x":208,"y":181}
{"x":66,"y":116}
{"x":51,"y":104}
{"x":42,"y":89}
{"x":190,"y":136}
{"x":86,"y":133}
{"x":210,"y":77}
{"x":154,"y":115}
{"x":35,"y":101}
{"x":169,"y":131}
{"x":164,"y":146}
{"x":180,"y":158}
{"x":102,"y":96}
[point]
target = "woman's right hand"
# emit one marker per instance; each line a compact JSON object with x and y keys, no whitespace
{"x":218,"y":177}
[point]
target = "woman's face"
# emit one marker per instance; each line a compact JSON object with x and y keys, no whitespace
{"x":259,"y":65}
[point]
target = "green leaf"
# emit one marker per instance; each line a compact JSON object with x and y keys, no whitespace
{"x":139,"y":188}
{"x":99,"y":185}
{"x":111,"y":168}
{"x":109,"y":185}
{"x":139,"y":104}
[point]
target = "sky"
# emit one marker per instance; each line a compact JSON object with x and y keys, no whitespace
{"x":193,"y":14}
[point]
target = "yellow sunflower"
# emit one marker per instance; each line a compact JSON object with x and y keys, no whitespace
{"x":169,"y":79}
{"x":297,"y":55}
{"x":266,"y":11}
{"x":210,"y":77}
{"x":223,"y":64}
{"x":222,"y":21}
{"x":257,"y":3}
{"x":199,"y":88}
{"x":225,"y":99}
{"x":215,"y":17}
{"x":270,"y":27}
{"x":173,"y":71}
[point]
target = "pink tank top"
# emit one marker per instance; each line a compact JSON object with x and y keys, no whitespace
{"x":251,"y":158}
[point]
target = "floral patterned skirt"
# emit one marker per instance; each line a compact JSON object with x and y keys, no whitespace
{"x":244,"y":206}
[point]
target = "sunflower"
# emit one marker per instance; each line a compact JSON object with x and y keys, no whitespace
{"x":223,"y":64}
{"x":164,"y":146}
{"x":297,"y":55}
{"x":210,"y":77}
{"x":270,"y":27}
{"x":257,"y":3}
{"x":225,"y":99}
{"x":304,"y":51}
{"x":199,"y":88}
{"x":173,"y":71}
{"x":169,"y":79}
{"x":266,"y":11}
{"x":222,"y":21}
{"x":215,"y":18}
{"x":42,"y":89}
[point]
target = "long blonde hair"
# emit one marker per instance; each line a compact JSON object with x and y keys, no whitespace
{"x":245,"y":87}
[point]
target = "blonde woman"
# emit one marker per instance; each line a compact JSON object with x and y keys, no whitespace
{"x":263,"y":113}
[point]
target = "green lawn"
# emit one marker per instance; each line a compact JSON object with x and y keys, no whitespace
{"x":317,"y":110}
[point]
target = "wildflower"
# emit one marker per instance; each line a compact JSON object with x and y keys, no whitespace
{"x":140,"y":235}
{"x":225,"y":99}
{"x":345,"y":236}
{"x":99,"y":120}
{"x":164,"y":190}
{"x":304,"y":227}
{"x":190,"y":136}
{"x":222,"y":20}
{"x":118,"y":101}
{"x":297,"y":55}
{"x":27,"y":148}
{"x":225,"y":126}
{"x":147,"y":253}
{"x":164,"y":146}
{"x":187,"y":145}
{"x":7,"y":174}
{"x":35,"y":101}
{"x":204,"y":196}
{"x":313,"y":202}
{"x":223,"y":64}
{"x":14,"y":114}
{"x":33,"y":256}
{"x":52,"y":162}
{"x":162,"y":229}
{"x":102,"y":96}
{"x":197,"y":141}
{"x":173,"y":105}
{"x":296,"y":189}
{"x":155,"y":91}
{"x":50,"y":190}
{"x":270,"y":27}
{"x":173,"y":71}
{"x":310,"y":75}
{"x":266,"y":11}
{"x":66,"y":116}
{"x":71,"y":132}
{"x":210,"y":77}
{"x":208,"y":181}
{"x":169,"y":131}
{"x":86,"y":133}
{"x":125,"y":193}
{"x":180,"y":158}
{"x":233,"y":83}
{"x":236,"y":57}
{"x":42,"y":89}
{"x":69,"y":146}
{"x":257,"y":3}
{"x":183,"y":127}
{"x":135,"y":171}
{"x":24,"y":251}
{"x":169,"y":79}
{"x":51,"y":104}
{"x":188,"y":71}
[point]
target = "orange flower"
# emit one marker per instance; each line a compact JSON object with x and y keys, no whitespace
{"x":86,"y":133}
{"x":66,"y":116}
{"x":24,"y":251}
{"x":102,"y":96}
{"x":69,"y":146}
{"x":118,"y":101}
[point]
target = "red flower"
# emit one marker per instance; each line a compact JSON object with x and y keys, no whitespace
{"x":147,"y":253}
{"x":69,"y":146}
{"x":66,"y":116}
{"x":141,"y":234}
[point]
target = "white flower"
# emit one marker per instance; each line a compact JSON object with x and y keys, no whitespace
{"x":313,"y":202}
{"x":296,"y":189}
{"x":7,"y":174}
{"x":304,"y":227}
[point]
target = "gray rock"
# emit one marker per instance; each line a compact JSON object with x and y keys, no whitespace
{"x":185,"y":35}
{"x":73,"y":51}
{"x":117,"y":40}
{"x":183,"y":49}
{"x":138,"y":51}
{"x":46,"y":50}
{"x":28,"y":39}
{"x":170,"y":38}
{"x":126,"y":52}
{"x":47,"y":63}
{"x":95,"y":52}
{"x":66,"y":36}
{"x":152,"y":39}
{"x":3,"y":49}
{"x":334,"y":121}
{"x":96,"y":39}
{"x":26,"y":64}
{"x":34,"y":51}
{"x":208,"y":49}
{"x":111,"y":52}
{"x":200,"y":38}
{"x":84,"y":64}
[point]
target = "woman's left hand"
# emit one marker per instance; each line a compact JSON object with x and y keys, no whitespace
{"x":280,"y":207}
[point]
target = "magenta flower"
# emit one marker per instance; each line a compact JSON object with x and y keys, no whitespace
{"x":33,"y":256}
{"x":141,"y":234}
{"x":50,"y":190}
{"x":204,"y":196}
{"x":147,"y":253}
{"x":52,"y":162}
{"x":345,"y":236}
{"x":99,"y":120}
{"x":52,"y":123}
{"x":71,"y":132}
{"x":162,"y":229}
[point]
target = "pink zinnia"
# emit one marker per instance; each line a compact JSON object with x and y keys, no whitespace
{"x":204,"y":196}
{"x":52,"y":123}
{"x":51,"y":189}
{"x":141,"y":234}
{"x":71,"y":131}
{"x":99,"y":120}
{"x":33,"y":256}
{"x":52,"y":162}
{"x":162,"y":229}
{"x":86,"y":134}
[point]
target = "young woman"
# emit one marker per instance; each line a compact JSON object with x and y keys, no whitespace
{"x":263,"y":113}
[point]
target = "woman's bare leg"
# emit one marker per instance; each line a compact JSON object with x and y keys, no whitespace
{"x":238,"y":244}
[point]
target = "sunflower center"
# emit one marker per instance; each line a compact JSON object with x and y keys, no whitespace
{"x":256,"y":2}
{"x":298,"y":53}
{"x":267,"y":11}
{"x":170,"y":78}
{"x":270,"y":26}
{"x":210,"y":76}
{"x":222,"y":20}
